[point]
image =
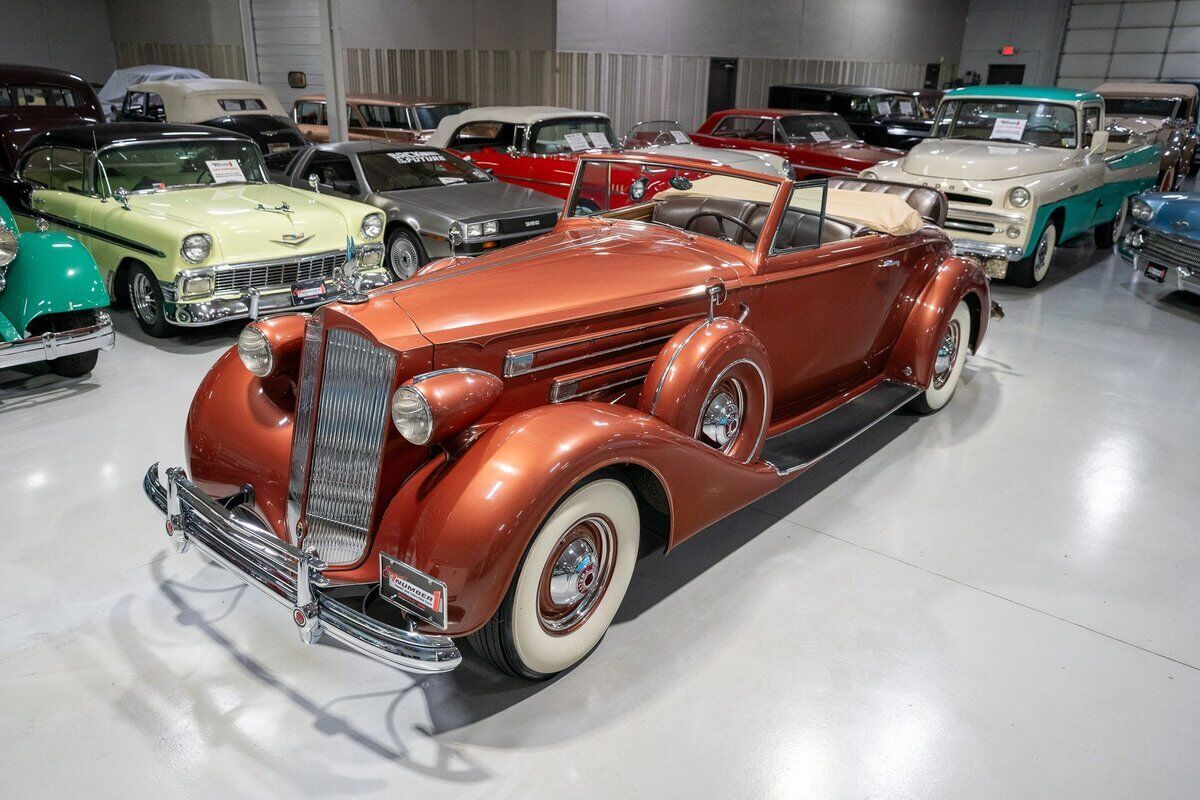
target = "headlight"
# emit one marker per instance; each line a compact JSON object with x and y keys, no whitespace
{"x":255,"y":351}
{"x":491,"y":228}
{"x":411,"y":415}
{"x":474,"y":230}
{"x":1141,"y":210}
{"x":196,"y":247}
{"x":372,"y":226}
{"x":871,"y":176}
{"x":8,"y":246}
{"x":193,"y":285}
{"x":1018,"y":197}
{"x":637,"y":190}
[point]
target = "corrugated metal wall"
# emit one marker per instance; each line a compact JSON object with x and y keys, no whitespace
{"x":287,"y":37}
{"x":219,"y":61}
{"x":1143,"y":40}
{"x":629,"y":88}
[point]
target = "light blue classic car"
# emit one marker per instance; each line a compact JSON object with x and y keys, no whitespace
{"x":1163,"y":241}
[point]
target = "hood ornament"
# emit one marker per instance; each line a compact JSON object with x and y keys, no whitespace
{"x":282,"y":208}
{"x":351,"y":286}
{"x":1180,"y":224}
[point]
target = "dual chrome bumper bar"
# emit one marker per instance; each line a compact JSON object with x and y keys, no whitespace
{"x":49,"y":346}
{"x":292,"y":577}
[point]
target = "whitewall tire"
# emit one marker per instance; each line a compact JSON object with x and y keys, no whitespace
{"x":569,"y":584}
{"x":948,"y":363}
{"x":1031,"y":271}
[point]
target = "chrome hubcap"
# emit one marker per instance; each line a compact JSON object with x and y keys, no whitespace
{"x":947,"y":356}
{"x":402,"y":258}
{"x":141,"y":295}
{"x":722,"y":417}
{"x":1041,"y":259}
{"x":576,"y":575}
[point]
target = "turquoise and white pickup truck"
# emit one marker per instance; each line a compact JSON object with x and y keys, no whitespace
{"x":1024,"y":168}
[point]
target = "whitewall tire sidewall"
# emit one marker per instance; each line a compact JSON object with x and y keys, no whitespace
{"x":937,"y":397}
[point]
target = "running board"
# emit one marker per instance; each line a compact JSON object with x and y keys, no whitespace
{"x":806,"y":445}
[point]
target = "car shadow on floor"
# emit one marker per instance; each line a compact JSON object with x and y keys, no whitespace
{"x":31,"y":385}
{"x":208,"y":339}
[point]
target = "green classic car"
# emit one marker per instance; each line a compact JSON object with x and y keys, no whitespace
{"x":51,"y":297}
{"x":186,"y":227}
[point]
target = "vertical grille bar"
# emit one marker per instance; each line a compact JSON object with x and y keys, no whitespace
{"x":302,"y":427}
{"x":347,"y":445}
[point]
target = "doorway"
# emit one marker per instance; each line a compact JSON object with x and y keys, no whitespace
{"x":1006,"y":74}
{"x":722,"y":84}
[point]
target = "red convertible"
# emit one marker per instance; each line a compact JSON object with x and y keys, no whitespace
{"x":478,"y":452}
{"x":815,"y":143}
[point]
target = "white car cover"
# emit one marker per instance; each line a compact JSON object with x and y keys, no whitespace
{"x":113,"y":92}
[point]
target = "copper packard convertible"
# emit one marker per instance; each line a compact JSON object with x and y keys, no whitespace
{"x":476,"y":453}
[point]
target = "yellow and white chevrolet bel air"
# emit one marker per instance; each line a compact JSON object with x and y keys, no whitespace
{"x":186,"y":228}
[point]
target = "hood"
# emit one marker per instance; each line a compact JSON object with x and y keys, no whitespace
{"x":486,"y":200}
{"x":245,"y":232}
{"x":863,"y":154}
{"x":980,"y":160}
{"x":1175,"y":213}
{"x":581,"y":270}
{"x":747,"y":160}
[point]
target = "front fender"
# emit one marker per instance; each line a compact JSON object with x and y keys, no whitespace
{"x":468,"y":521}
{"x":51,"y":274}
{"x":957,"y":278}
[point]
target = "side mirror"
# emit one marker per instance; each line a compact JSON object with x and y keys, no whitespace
{"x":314,"y":183}
{"x":1099,"y":142}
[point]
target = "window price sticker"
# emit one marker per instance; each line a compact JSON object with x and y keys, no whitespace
{"x":226,"y":170}
{"x":681,"y":137}
{"x":906,"y":108}
{"x":819,"y":136}
{"x":599,"y":140}
{"x":576,"y":141}
{"x":1012,"y":128}
{"x":883,"y":108}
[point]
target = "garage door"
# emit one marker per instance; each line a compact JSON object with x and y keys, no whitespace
{"x":287,"y":37}
{"x":1147,"y":40}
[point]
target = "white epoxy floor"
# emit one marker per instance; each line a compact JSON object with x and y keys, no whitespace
{"x":1000,"y":601}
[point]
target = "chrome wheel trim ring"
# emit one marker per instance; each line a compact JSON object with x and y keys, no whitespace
{"x":947,"y":355}
{"x":141,"y":296}
{"x":576,"y":575}
{"x":723,"y":415}
{"x":403,"y":258}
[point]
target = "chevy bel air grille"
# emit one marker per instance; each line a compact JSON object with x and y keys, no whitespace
{"x":538,"y":223}
{"x":1172,"y":251}
{"x":347,"y":445}
{"x":278,"y":273}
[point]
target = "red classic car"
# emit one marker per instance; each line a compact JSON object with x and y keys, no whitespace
{"x":816,"y":143}
{"x":538,"y":147}
{"x":35,"y":99}
{"x":477,"y":452}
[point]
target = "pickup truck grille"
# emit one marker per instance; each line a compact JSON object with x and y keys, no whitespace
{"x":1173,"y":251}
{"x":278,"y":273}
{"x":338,"y":441}
{"x":985,"y":228}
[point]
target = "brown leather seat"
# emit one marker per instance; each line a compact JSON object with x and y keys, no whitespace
{"x":929,"y":203}
{"x":796,"y":230}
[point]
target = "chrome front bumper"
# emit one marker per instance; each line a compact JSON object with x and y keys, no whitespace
{"x":49,"y":346}
{"x":1179,"y":276}
{"x":257,"y":303}
{"x":292,"y":577}
{"x":995,"y":257}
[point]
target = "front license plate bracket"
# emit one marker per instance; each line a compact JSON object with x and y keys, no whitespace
{"x":412,"y":590}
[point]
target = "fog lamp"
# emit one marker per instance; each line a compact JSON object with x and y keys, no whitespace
{"x":1013,"y":231}
{"x":195,"y":285}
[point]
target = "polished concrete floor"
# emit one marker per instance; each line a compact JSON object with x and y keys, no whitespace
{"x":999,"y":601}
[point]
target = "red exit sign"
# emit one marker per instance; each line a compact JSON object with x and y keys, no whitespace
{"x":1008,"y":50}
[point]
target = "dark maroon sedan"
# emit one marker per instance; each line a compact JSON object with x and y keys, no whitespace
{"x":35,"y":99}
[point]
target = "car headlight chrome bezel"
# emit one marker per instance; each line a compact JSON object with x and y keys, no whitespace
{"x":869,"y":175}
{"x":254,"y":348}
{"x":1019,"y":197}
{"x":372,"y":226}
{"x":196,"y":248}
{"x":1140,"y":210}
{"x":9,"y":244}
{"x":412,"y":415}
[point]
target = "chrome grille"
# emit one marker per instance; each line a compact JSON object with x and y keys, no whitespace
{"x":1173,"y":251}
{"x":302,"y":424}
{"x":986,"y":228}
{"x":278,"y":273}
{"x":347,"y":444}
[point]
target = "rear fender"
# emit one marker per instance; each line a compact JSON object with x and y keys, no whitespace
{"x":468,"y":521}
{"x":51,"y":274}
{"x":957,"y":278}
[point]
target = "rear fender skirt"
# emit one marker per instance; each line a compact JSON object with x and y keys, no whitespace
{"x":469,"y":520}
{"x":913,"y":356}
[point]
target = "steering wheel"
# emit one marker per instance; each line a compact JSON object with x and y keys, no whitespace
{"x":688,"y":225}
{"x":664,"y":137}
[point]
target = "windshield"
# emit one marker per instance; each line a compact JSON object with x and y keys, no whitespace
{"x":570,"y":134}
{"x":1032,"y":122}
{"x":817,"y":128}
{"x":428,"y":117}
{"x":1141,"y":106}
{"x":659,"y":132}
{"x":396,"y":170}
{"x":159,"y":166}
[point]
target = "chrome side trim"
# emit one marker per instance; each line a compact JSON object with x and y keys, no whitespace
{"x":290,"y":576}
{"x":49,"y":346}
{"x":521,"y":362}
